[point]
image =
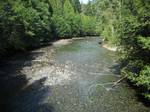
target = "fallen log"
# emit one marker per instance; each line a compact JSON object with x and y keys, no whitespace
{"x":118,"y":81}
{"x":112,"y":83}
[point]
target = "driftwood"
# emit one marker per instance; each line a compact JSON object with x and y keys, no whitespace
{"x":118,"y":81}
{"x":113,"y":84}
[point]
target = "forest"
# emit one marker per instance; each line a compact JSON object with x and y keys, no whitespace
{"x":27,"y":24}
{"x":125,"y":24}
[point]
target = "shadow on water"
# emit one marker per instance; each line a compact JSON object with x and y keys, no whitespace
{"x":32,"y":98}
{"x":12,"y":82}
{"x":115,"y":69}
{"x":140,"y":98}
{"x":143,"y":100}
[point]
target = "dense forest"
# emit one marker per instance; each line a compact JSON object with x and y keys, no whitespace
{"x":27,"y":24}
{"x":122,"y":23}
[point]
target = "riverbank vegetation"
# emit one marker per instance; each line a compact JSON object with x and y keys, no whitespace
{"x":28,"y":24}
{"x":126,"y":23}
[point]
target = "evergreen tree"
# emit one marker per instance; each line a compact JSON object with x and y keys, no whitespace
{"x":136,"y":43}
{"x":127,"y":24}
{"x":76,"y":5}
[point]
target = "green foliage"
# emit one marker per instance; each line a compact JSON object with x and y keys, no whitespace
{"x":62,"y":27}
{"x":76,"y":5}
{"x":10,"y":26}
{"x":90,"y":8}
{"x":27,"y":24}
{"x":144,"y":42}
{"x":136,"y":41}
{"x":144,"y":77}
{"x":57,"y":6}
{"x":24,"y":24}
{"x":127,"y":24}
{"x":71,"y":22}
{"x":88,"y":25}
{"x":62,"y":23}
{"x":141,"y":79}
{"x":108,"y":17}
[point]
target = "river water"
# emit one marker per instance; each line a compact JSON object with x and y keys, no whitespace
{"x":72,"y":78}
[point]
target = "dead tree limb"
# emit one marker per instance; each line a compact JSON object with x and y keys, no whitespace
{"x":118,"y":81}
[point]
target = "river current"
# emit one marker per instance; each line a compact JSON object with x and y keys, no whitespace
{"x":76,"y":77}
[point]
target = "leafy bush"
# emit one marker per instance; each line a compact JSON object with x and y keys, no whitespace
{"x":24,"y":24}
{"x":88,"y":25}
{"x":61,"y":26}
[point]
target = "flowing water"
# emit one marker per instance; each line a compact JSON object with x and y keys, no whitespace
{"x":72,"y":78}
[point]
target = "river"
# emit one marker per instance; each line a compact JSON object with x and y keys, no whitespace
{"x":76,"y":77}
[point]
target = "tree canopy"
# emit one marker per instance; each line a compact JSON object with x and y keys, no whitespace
{"x":27,"y":24}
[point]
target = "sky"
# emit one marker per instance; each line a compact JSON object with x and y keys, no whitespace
{"x":84,"y":1}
